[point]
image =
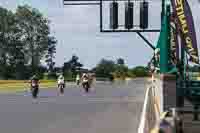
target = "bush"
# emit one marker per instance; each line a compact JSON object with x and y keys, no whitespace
{"x":140,"y":71}
{"x":52,"y":75}
{"x":130,"y":74}
{"x":111,"y":77}
{"x":70,"y":80}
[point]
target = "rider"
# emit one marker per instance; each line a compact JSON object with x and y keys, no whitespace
{"x":34,"y":81}
{"x":61,"y":80}
{"x":77,"y":79}
{"x":34,"y":84}
{"x":84,"y":77}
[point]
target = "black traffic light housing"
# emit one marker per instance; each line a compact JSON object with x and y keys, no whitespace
{"x":144,"y":15}
{"x":114,"y":15}
{"x":129,"y":15}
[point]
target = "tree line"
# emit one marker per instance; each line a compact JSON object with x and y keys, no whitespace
{"x":25,"y":40}
{"x":104,"y":69}
{"x":118,"y":69}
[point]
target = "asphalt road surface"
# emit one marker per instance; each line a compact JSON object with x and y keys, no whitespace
{"x":108,"y":108}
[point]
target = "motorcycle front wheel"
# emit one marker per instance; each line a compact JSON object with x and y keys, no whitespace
{"x":35,"y":92}
{"x":86,"y":87}
{"x":61,"y":88}
{"x":78,"y":82}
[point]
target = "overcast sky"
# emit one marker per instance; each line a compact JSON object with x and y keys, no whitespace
{"x":77,"y":31}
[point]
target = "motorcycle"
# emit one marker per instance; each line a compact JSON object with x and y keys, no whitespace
{"x":77,"y":82}
{"x":61,"y":86}
{"x":86,"y":85}
{"x":34,"y":89}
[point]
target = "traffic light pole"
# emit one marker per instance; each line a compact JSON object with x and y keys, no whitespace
{"x":163,"y":10}
{"x":164,"y":39}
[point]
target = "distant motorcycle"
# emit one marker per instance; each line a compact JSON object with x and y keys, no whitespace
{"x":86,"y":85}
{"x":34,"y":89}
{"x":78,"y":82}
{"x":61,"y":86}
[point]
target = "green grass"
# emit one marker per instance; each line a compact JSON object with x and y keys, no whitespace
{"x":21,"y":86}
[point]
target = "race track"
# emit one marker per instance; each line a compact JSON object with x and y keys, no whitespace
{"x":108,"y":108}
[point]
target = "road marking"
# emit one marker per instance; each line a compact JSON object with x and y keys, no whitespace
{"x":141,"y":128}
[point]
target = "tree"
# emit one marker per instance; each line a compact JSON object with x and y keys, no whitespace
{"x":140,"y":71}
{"x":41,"y":70}
{"x":75,"y":64}
{"x":50,"y":53}
{"x":121,"y":71}
{"x":72,"y":66}
{"x":105,"y":68}
{"x":11,"y":55}
{"x":120,"y":61}
{"x":24,"y":40}
{"x":34,"y":30}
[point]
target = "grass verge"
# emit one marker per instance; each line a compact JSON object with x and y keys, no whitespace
{"x":13,"y":87}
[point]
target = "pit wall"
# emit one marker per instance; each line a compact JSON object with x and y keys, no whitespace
{"x":160,"y":97}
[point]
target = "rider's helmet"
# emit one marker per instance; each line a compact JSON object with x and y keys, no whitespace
{"x":84,"y":75}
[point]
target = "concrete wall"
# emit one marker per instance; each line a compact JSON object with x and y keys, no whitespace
{"x":151,"y":111}
{"x":165,"y":89}
{"x":160,"y":96}
{"x":157,"y":85}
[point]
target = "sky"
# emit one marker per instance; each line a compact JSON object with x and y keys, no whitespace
{"x":77,"y":30}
